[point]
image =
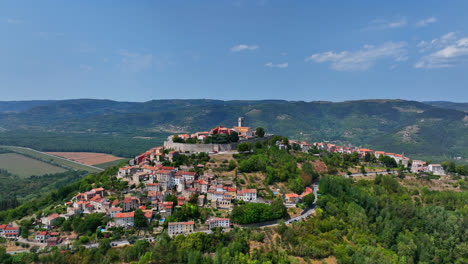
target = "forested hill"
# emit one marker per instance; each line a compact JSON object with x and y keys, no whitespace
{"x":417,"y":129}
{"x":449,"y":105}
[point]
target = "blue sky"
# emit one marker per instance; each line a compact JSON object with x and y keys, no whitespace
{"x":240,"y":49}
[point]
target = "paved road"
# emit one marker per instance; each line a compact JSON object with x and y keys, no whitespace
{"x":17,"y":251}
{"x":115,"y":243}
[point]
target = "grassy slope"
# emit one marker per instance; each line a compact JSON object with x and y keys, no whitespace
{"x":24,"y":167}
{"x":43,"y":156}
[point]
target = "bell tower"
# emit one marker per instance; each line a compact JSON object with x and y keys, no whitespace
{"x":240,"y":122}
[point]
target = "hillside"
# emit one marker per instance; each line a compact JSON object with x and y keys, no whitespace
{"x":369,"y":219}
{"x":449,"y":105}
{"x":415,"y":128}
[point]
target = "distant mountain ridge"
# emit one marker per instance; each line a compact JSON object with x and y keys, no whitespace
{"x":449,"y":105}
{"x":414,"y":128}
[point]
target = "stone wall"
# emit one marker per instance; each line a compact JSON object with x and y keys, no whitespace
{"x":183,"y":147}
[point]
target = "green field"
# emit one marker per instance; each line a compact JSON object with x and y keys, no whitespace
{"x":24,"y":167}
{"x":110,"y":164}
{"x":51,"y":159}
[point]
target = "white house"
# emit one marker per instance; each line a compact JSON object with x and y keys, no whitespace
{"x":175,"y":228}
{"x":218,"y":222}
{"x":436,"y":169}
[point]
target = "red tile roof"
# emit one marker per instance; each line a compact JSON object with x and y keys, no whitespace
{"x":124,"y":215}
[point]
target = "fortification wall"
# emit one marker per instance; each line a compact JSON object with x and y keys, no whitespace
{"x":183,"y":147}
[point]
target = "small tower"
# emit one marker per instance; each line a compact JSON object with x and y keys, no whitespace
{"x":240,"y":122}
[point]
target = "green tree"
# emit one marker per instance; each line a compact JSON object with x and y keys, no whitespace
{"x":260,"y":132}
{"x":309,"y":199}
{"x":243,"y":147}
{"x":233,"y":136}
{"x":139,"y":219}
{"x":104,"y":245}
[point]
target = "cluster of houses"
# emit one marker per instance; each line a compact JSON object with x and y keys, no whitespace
{"x":151,"y":182}
{"x":243,"y":132}
{"x":51,"y":238}
{"x":419,"y":166}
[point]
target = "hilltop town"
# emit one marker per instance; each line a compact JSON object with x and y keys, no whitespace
{"x":175,"y":181}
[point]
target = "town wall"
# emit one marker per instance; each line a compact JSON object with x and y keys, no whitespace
{"x":183,"y":147}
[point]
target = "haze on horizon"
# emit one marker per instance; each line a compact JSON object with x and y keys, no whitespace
{"x":239,"y":49}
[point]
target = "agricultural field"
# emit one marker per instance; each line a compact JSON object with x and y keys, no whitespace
{"x":111,"y":163}
{"x":59,"y":161}
{"x":24,"y":166}
{"x":88,"y":158}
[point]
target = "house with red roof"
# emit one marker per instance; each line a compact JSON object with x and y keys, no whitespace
{"x":124,"y":219}
{"x":49,"y":221}
{"x":292,"y":198}
{"x":247,"y":195}
{"x":218,"y":222}
{"x":114,"y":211}
{"x":11,"y":231}
{"x":153,"y":187}
{"x":41,"y":236}
{"x":130,"y":203}
{"x":220,"y":130}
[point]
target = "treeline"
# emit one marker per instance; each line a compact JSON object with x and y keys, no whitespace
{"x":451,"y":167}
{"x":13,"y":191}
{"x":118,"y":145}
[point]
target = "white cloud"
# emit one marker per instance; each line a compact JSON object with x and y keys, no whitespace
{"x":14,"y":21}
{"x":425,"y":22}
{"x":279,"y":65}
{"x":242,"y":47}
{"x":135,"y":62}
{"x":381,"y":24}
{"x":361,"y":59}
{"x":447,"y":51}
{"x":437,"y":42}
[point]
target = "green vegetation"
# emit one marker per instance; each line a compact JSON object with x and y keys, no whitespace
{"x":222,"y":138}
{"x":110,"y":163}
{"x":384,"y":225}
{"x":14,"y":192}
{"x":376,"y":221}
{"x":278,"y":166}
{"x":53,"y":160}
{"x":117,"y":145}
{"x":60,"y":193}
{"x":23,"y":166}
{"x":260,"y":132}
{"x":451,"y":167}
{"x":258,"y":212}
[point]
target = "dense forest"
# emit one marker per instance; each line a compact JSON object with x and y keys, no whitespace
{"x":120,"y":146}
